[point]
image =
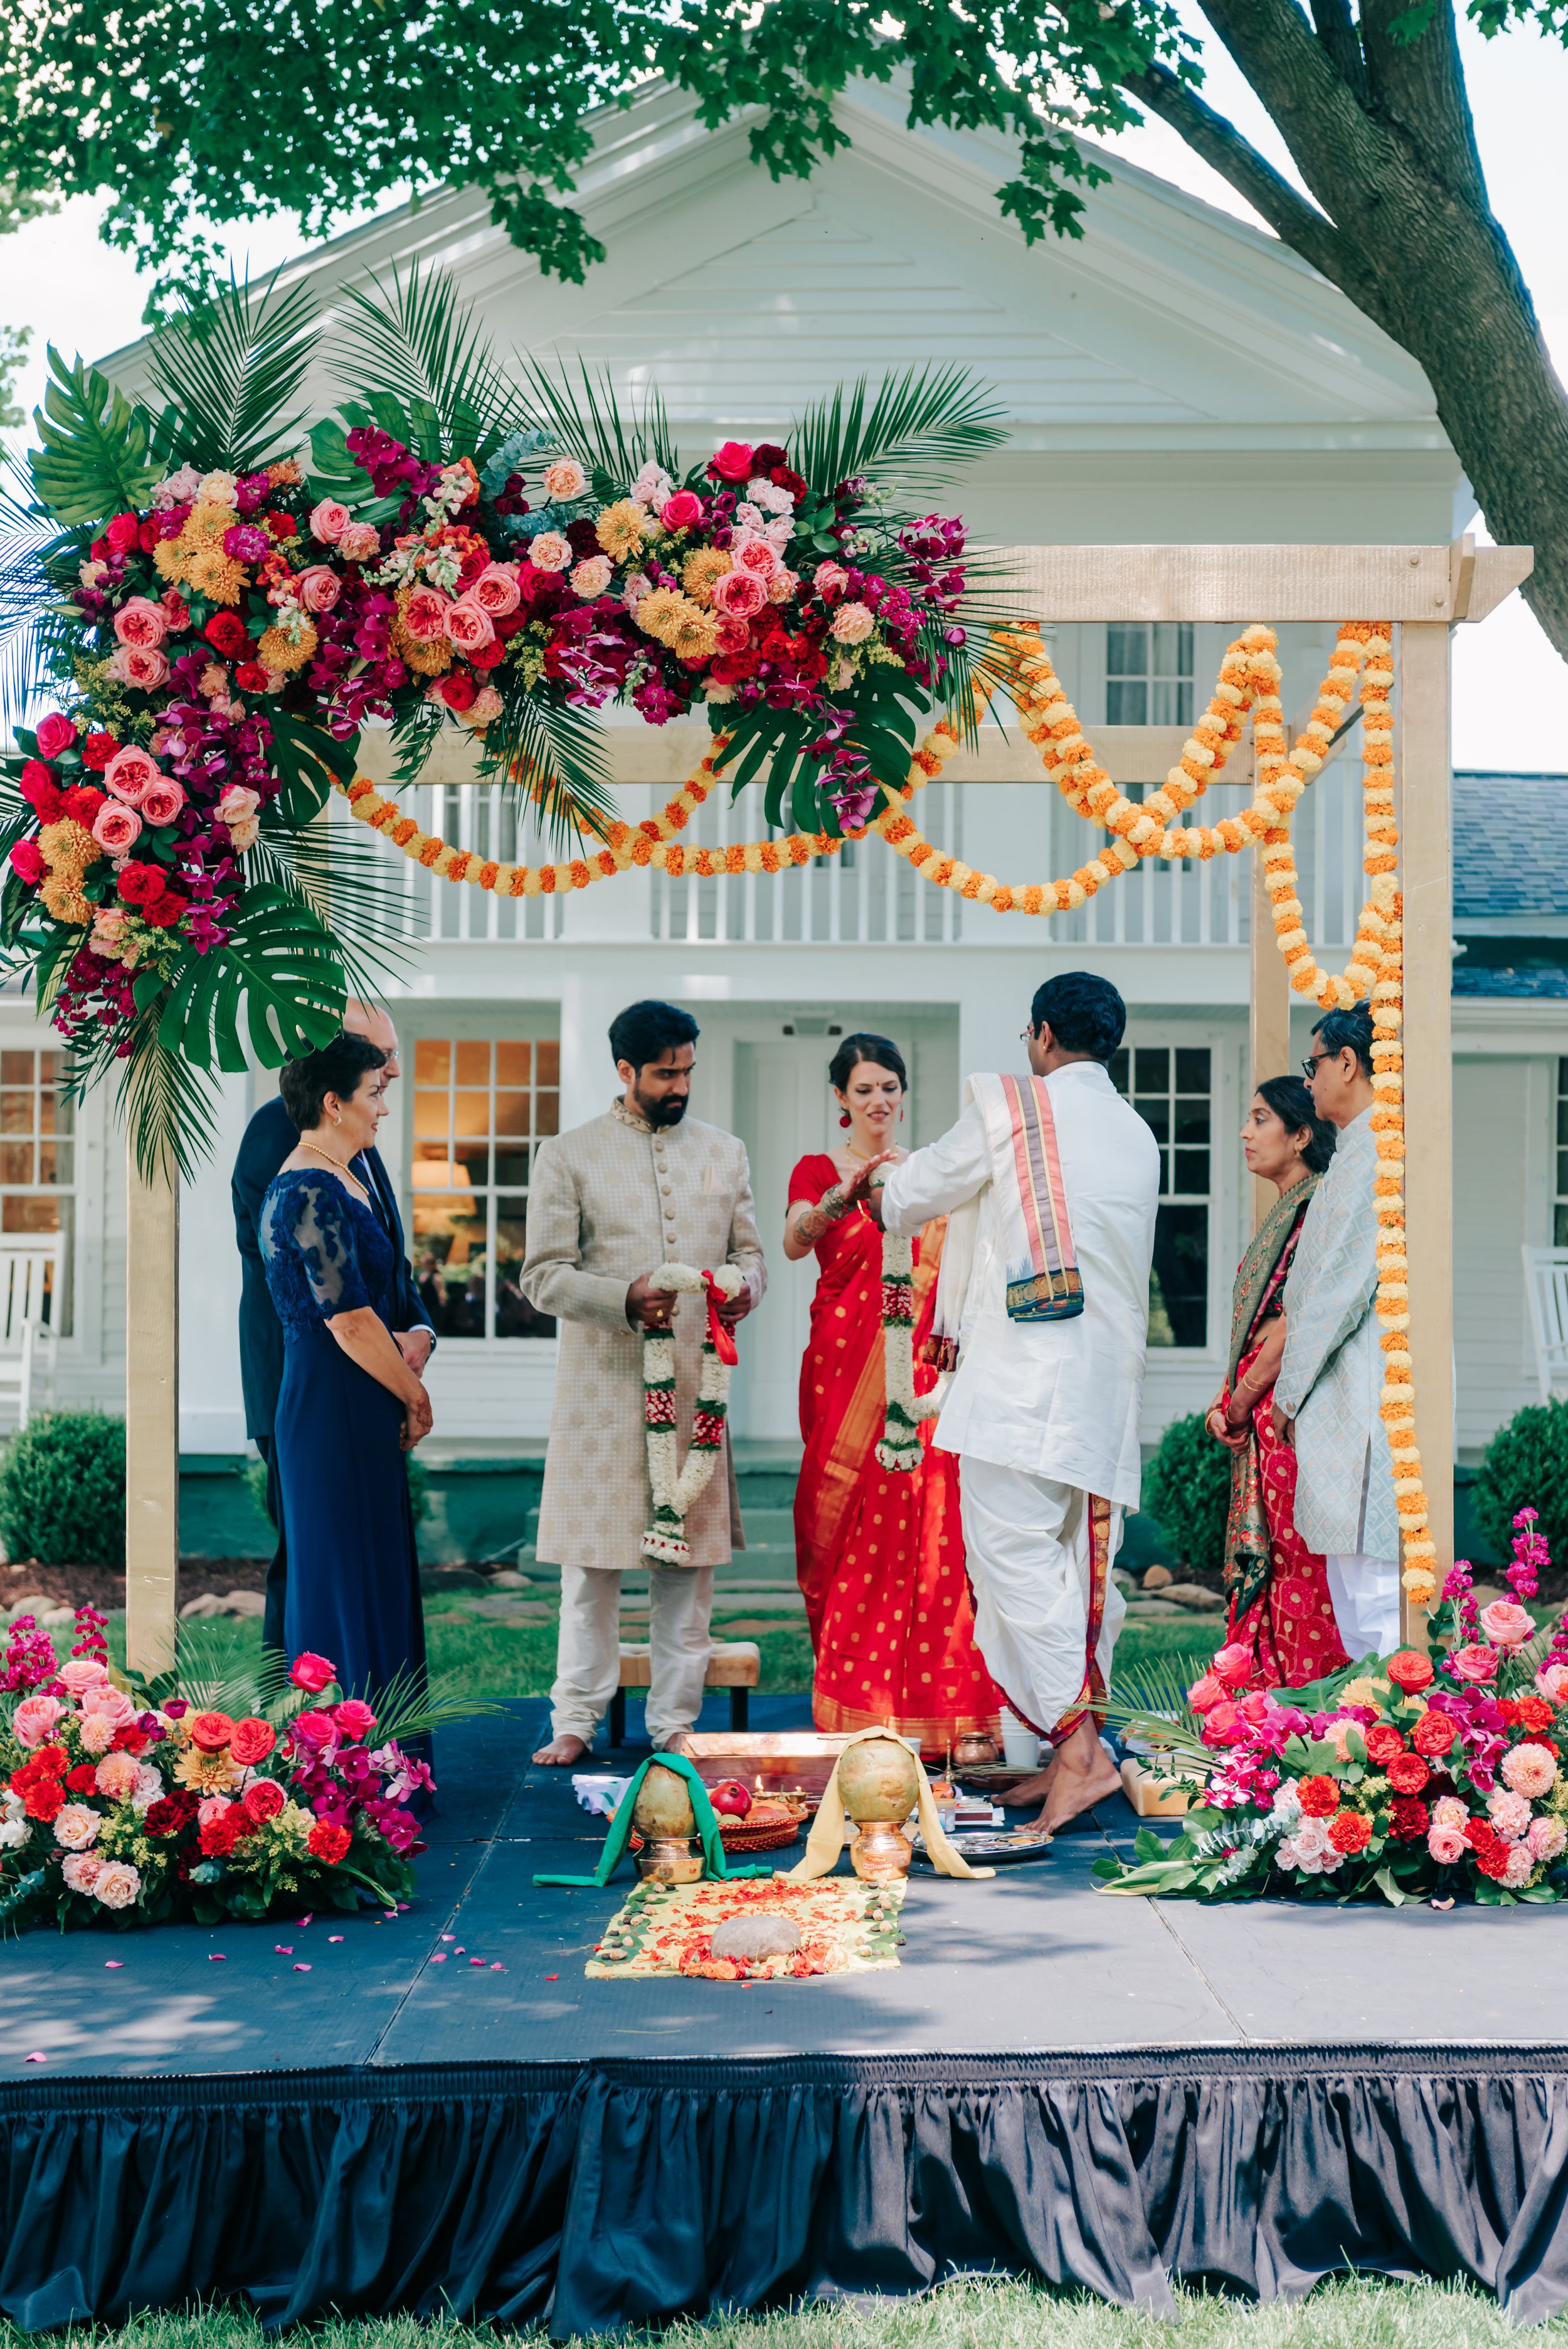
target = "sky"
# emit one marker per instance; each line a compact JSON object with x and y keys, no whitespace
{"x":1510,"y":690}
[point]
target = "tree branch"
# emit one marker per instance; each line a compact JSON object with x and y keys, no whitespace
{"x":1420,"y":84}
{"x":1335,"y":144}
{"x":1338,"y":32}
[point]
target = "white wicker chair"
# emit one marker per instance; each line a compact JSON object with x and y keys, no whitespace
{"x":30,"y":1301}
{"x":1546,"y":1279}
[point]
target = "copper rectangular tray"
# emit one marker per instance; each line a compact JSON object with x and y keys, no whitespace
{"x":776,"y":1762}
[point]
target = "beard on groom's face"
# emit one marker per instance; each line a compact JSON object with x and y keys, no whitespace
{"x":660,"y":1091}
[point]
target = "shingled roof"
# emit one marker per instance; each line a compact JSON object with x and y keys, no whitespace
{"x":1492,"y":881}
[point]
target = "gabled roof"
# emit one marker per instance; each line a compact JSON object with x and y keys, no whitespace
{"x":1495,"y":886}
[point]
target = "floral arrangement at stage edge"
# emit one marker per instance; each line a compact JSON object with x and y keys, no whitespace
{"x":220,"y":602}
{"x":119,"y":1809}
{"x":1424,"y":1776}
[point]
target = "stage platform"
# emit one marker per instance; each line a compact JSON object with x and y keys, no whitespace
{"x":436,"y":2110}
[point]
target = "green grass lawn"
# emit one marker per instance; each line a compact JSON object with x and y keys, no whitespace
{"x":1359,"y":2312}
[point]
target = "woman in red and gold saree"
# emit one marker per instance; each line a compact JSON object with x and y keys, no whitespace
{"x":1279,"y":1605}
{"x":878,"y":1552}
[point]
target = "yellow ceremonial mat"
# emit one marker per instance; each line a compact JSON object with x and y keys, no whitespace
{"x":846,"y":1926}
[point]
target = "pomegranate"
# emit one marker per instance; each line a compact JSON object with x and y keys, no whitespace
{"x":730,"y":1799}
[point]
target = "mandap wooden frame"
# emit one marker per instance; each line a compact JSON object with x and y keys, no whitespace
{"x":1427,"y":591}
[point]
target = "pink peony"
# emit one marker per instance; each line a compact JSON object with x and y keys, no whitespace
{"x":33,"y":1718}
{"x":129,"y":773}
{"x":680,"y":512}
{"x":148,"y":1786}
{"x":1506,"y":1625}
{"x":1529,"y":1770}
{"x":782,"y":586}
{"x":467,"y":626}
{"x":830,"y":579}
{"x":550,"y":550}
{"x":76,"y":1827}
{"x":1448,"y":1811}
{"x":1552,"y":1679}
{"x":162,"y":803}
{"x":486,"y":704}
{"x":95,"y":1732}
{"x":1548,"y":1838}
{"x":329,"y":522}
{"x":496,"y":590}
{"x":564,"y":480}
{"x":1521,"y":1867}
{"x":140,"y":621}
{"x":116,"y":1884}
{"x":1509,"y":1813}
{"x":133,"y":665}
{"x":424,"y":616}
{"x":740,"y":594}
{"x":1474,"y":1662}
{"x":81,"y":1870}
{"x":318,"y":588}
{"x":116,"y":1776}
{"x":359,"y":543}
{"x":1447,"y":1845}
{"x":79,"y":1672}
{"x":56,"y":732}
{"x":755,"y":554}
{"x":852,"y":624}
{"x":592,"y":576}
{"x":116,"y":827}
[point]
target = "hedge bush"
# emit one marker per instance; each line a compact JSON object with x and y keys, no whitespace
{"x":419,"y":1486}
{"x":1187,"y":1488}
{"x":1525,"y":1466}
{"x":62,"y":1490}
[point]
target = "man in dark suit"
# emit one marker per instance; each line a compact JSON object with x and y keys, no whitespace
{"x":268,"y":1139}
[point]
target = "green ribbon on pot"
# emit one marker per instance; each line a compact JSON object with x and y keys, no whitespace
{"x":714,"y":1861}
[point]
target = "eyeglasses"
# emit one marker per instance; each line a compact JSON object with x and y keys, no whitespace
{"x":1309,"y":1067}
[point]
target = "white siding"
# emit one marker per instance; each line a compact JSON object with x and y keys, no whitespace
{"x":1504,"y":1110}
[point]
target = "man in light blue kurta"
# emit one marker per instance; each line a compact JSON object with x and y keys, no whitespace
{"x":1330,"y":1381}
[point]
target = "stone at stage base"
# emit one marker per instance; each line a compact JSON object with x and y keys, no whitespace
{"x":757,"y":1936}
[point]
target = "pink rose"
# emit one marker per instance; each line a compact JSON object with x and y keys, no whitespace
{"x":79,"y":1672}
{"x":314,"y":1730}
{"x":56,"y":733}
{"x":425,"y":614}
{"x":1506,"y":1625}
{"x":1232,"y":1664}
{"x":27,"y":862}
{"x":467,"y":626}
{"x":830,"y":579}
{"x":354,"y":1718}
{"x":129,"y":773}
{"x":550,"y":550}
{"x":496,"y":590}
{"x":329,"y":522}
{"x":116,"y":827}
{"x":140,"y":621}
{"x":1221,"y":1723}
{"x":237,"y":803}
{"x":852,"y":624}
{"x":133,"y":665}
{"x":211,"y":1806}
{"x":1510,"y":1813}
{"x":1474,"y":1662}
{"x":34,"y":1719}
{"x":81,"y":1870}
{"x":312,"y":1672}
{"x":360,"y":542}
{"x":680,"y":512}
{"x":755,"y":554}
{"x":1447,"y":1845}
{"x":740,"y":594}
{"x":78,"y":1825}
{"x":486,"y":704}
{"x":176,"y":611}
{"x":1548,"y":1838}
{"x":733,"y":461}
{"x":318,"y":588}
{"x":1552,"y":1679}
{"x":1448,"y":1811}
{"x":162,"y":803}
{"x":592,"y":576}
{"x":1204,"y":1691}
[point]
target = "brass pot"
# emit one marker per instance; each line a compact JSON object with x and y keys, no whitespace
{"x":972,"y":1748}
{"x":879,"y":1779}
{"x":669,"y":1860}
{"x":879,"y":1854}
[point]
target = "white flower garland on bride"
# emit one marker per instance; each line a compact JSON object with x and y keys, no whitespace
{"x":675,"y":1492}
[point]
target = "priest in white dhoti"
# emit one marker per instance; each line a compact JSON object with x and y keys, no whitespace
{"x":1050,"y":1183}
{"x":1330,"y":1382}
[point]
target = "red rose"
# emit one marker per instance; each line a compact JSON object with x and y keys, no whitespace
{"x":1434,"y":1733}
{"x":27,"y":862}
{"x":1408,"y":1773}
{"x":312,"y":1673}
{"x":56,"y":732}
{"x":123,"y":533}
{"x":164,"y":911}
{"x":252,"y":1740}
{"x":147,"y":536}
{"x":784,"y":478}
{"x":1411,"y":1819}
{"x":733,"y":462}
{"x":99,"y":750}
{"x":456,"y":690}
{"x":680,"y":512}
{"x":251,"y":678}
{"x":487,"y":655}
{"x":139,"y":883}
{"x":82,"y":804}
{"x":83,"y":1779}
{"x":354,"y":1717}
{"x":329,"y":1842}
{"x":264,"y":1800}
{"x":35,"y":777}
{"x":1410,"y":1670}
{"x":1318,"y":1798}
{"x":766,"y":455}
{"x":44,"y":1799}
{"x":226,"y":633}
{"x":1383,"y":1742}
{"x":211,"y":1731}
{"x":1350,"y":1831}
{"x":312,"y":1731}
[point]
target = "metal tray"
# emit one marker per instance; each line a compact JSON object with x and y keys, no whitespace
{"x":990,"y":1846}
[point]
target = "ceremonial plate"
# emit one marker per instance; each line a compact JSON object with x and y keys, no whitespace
{"x":990,"y":1846}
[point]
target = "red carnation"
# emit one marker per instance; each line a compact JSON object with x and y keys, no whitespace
{"x":1434,"y":1733}
{"x":1410,"y":1670}
{"x":56,"y":733}
{"x":124,"y":532}
{"x":129,"y":1739}
{"x":1318,"y":1798}
{"x":1350,"y":1831}
{"x":252,"y":1740}
{"x":1411,"y":1819}
{"x":766,"y":455}
{"x":1493,"y":1860}
{"x":329,"y":1842}
{"x":171,"y":1813}
{"x":1408,"y":1773}
{"x":783,"y":478}
{"x":280,"y":525}
{"x":1383,"y":1742}
{"x":264,"y":1800}
{"x":225,"y":631}
{"x":1534,"y":1713}
{"x":44,"y":1799}
{"x":82,"y":804}
{"x":83,"y":1779}
{"x":251,"y":678}
{"x":99,"y":750}
{"x":1480,"y":1835}
{"x":164,"y":911}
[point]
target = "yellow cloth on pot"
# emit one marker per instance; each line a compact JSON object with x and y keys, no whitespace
{"x":826,"y":1840}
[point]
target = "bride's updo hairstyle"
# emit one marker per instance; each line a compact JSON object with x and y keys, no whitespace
{"x":338,"y":1067}
{"x":856,"y":1048}
{"x":1291,"y":1104}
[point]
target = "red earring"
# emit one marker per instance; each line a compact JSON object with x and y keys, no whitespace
{"x":844,"y":1118}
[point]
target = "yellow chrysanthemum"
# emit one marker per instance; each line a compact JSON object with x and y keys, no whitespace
{"x":64,"y":898}
{"x":69,"y":848}
{"x":691,"y":633}
{"x":702,"y":567}
{"x":619,"y":530}
{"x":655,"y":611}
{"x":277,"y":653}
{"x":208,"y":1774}
{"x":216,"y":575}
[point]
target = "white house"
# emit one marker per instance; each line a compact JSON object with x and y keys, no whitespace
{"x":1172,"y":376}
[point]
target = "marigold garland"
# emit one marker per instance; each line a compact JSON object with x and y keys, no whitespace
{"x":674,"y":1495}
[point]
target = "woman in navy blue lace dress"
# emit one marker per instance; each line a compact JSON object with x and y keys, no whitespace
{"x":350,"y":1406}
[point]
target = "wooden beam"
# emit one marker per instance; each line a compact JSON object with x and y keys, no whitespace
{"x":1498,"y":571}
{"x":1425,"y":785}
{"x":152,"y":1417}
{"x":1236,"y":583}
{"x":1268,"y":1035}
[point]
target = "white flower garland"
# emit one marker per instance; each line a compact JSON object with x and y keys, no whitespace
{"x":676,"y":1491}
{"x":899,"y":1448}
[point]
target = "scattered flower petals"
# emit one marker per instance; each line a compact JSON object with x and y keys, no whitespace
{"x":439,"y":1958}
{"x":496,"y":1967}
{"x":335,"y":1937}
{"x":308,"y":1918}
{"x":216,"y":1958}
{"x":302,"y":1970}
{"x":552,"y":1977}
{"x":448,"y":1937}
{"x":35,"y":2059}
{"x":112,"y":1962}
{"x":283,"y":1948}
{"x":476,"y":1962}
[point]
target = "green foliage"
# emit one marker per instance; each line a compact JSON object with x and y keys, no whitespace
{"x":1187,"y":1488}
{"x":13,"y":342}
{"x":62,"y":1490}
{"x":278,"y":983}
{"x":427,"y":369}
{"x":915,"y":430}
{"x":231,"y":369}
{"x":1525,"y":1466}
{"x":255,"y":1475}
{"x":97,"y":456}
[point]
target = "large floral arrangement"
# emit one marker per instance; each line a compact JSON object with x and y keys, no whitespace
{"x":219,"y":601}
{"x":1424,"y":1776}
{"x":119,"y":1810}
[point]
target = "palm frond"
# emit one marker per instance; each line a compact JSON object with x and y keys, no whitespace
{"x":231,"y":369}
{"x":919,"y":427}
{"x":554,"y":760}
{"x":588,"y":424}
{"x":1152,"y":1704}
{"x":416,"y":342}
{"x":349,"y":885}
{"x":213,"y":1680}
{"x":411,"y":1703}
{"x":170,"y":1109}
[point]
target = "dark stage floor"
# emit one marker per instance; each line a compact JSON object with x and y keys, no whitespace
{"x":1036,"y":1960}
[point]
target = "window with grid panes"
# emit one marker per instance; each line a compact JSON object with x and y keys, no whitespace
{"x":481,"y":1104}
{"x":37,"y":1157}
{"x":1148,"y":673}
{"x":1560,"y":1205}
{"x":1169,"y":1087}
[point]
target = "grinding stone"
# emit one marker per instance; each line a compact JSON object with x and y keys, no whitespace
{"x":755,"y":1937}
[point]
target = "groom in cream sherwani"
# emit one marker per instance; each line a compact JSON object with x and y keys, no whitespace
{"x":1050,"y":1186}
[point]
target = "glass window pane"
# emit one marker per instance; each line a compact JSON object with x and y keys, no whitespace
{"x":36,"y":1213}
{"x":1172,"y":649}
{"x":1126,"y":702}
{"x":1193,"y":1121}
{"x":1560,"y":1228}
{"x":1151,"y":1068}
{"x":1562,"y":1172}
{"x":16,"y":1162}
{"x":514,"y":1316}
{"x":470,"y":1114}
{"x":16,"y":1109}
{"x":547,"y":1054}
{"x":546,"y":1114}
{"x":471,"y":1160}
{"x":511,"y":1114}
{"x":1179,"y":1280}
{"x":1156,"y":1110}
{"x":55,"y":1161}
{"x":512,"y":1167}
{"x":473,"y":1064}
{"x":1192,"y":1069}
{"x":1562,"y":1125}
{"x":1127,"y":652}
{"x":512,"y":1063}
{"x":1192,"y":1170}
{"x":431,"y":1112}
{"x":1118,"y":1070}
{"x":17,"y":1068}
{"x":432,"y":1061}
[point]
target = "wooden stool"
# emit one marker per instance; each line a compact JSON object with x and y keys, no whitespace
{"x":732,"y":1664}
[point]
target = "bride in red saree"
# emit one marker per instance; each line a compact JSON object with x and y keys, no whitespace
{"x":879,"y":1551}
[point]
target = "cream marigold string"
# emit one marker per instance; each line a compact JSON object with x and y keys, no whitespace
{"x":898,"y":1449}
{"x":675,"y":1493}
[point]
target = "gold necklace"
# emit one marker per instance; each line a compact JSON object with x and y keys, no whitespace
{"x":353,"y":1179}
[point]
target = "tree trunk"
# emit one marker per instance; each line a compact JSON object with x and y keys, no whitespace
{"x":1381,"y":134}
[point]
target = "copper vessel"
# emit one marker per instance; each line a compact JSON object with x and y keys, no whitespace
{"x":881,"y":1853}
{"x":669,"y":1859}
{"x":972,"y":1748}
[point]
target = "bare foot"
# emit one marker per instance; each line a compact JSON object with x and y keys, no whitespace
{"x":679,"y":1743}
{"x":562,"y":1751}
{"x":1031,"y":1790}
{"x":1084,"y":1774}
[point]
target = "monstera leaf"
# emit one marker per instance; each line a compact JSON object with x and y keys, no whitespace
{"x":308,"y":760}
{"x":98,"y":456}
{"x":277,"y":983}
